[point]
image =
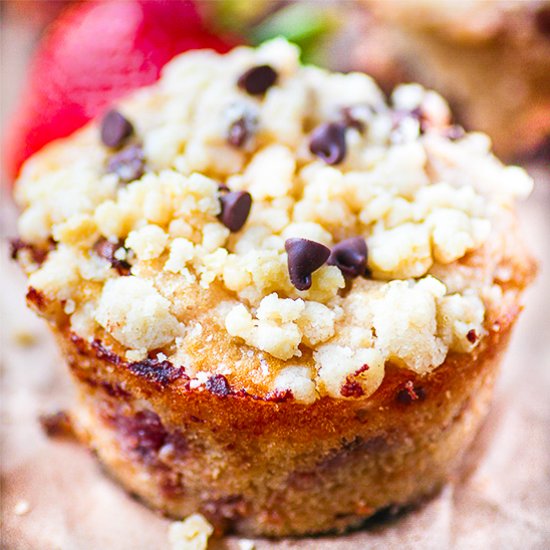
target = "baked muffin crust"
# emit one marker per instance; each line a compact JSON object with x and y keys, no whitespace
{"x":423,"y":203}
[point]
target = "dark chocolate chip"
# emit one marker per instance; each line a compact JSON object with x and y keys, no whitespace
{"x":239,"y":132}
{"x":542,"y":20}
{"x":471,"y":336}
{"x":115,"y":129}
{"x":218,"y":385}
{"x":304,"y":257}
{"x":235,"y":209}
{"x":350,"y":256}
{"x":106,"y":249}
{"x":257,"y":80}
{"x":328,"y":142}
{"x":128,"y":164}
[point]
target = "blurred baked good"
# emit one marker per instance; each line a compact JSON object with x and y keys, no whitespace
{"x":490,"y":59}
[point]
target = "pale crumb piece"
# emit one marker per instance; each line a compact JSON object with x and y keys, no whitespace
{"x":404,"y":319}
{"x":401,"y":252}
{"x":270,"y":173}
{"x":191,"y":534}
{"x":308,"y":230}
{"x":281,"y":324}
{"x":181,"y":252}
{"x":21,"y":508}
{"x":24,"y":338}
{"x":202,"y":376}
{"x":298,"y":380}
{"x":134,"y":313}
{"x":58,"y":276}
{"x":194,"y":383}
{"x":212,"y":266}
{"x":245,"y":544}
{"x":338,"y":365}
{"x":214,"y":236}
{"x":279,"y":338}
{"x":460,"y":319}
{"x":135,"y":355}
{"x":80,"y":230}
{"x":148,"y":242}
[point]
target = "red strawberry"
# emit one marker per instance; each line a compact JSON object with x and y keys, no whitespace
{"x":93,"y":54}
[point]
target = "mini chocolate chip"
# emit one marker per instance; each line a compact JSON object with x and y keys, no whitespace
{"x":471,"y":336}
{"x":304,"y":257}
{"x":235,"y":209}
{"x":128,"y":164}
{"x":239,"y":132}
{"x":542,"y":20}
{"x":257,"y":80}
{"x":350,"y":256}
{"x":106,"y":250}
{"x":328,"y":142}
{"x":115,"y":129}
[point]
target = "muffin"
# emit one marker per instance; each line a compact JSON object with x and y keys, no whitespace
{"x":491,"y":59}
{"x":282,"y":299}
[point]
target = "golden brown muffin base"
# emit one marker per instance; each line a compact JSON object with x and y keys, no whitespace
{"x":276,"y":467}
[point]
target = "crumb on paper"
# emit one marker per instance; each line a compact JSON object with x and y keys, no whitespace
{"x":24,"y":337}
{"x":21,"y":508}
{"x":245,"y":544}
{"x":190,"y":534}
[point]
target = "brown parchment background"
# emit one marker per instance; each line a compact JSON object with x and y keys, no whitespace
{"x":502,"y":500}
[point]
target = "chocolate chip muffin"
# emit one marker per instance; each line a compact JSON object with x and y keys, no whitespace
{"x":282,"y":298}
{"x":491,"y":59}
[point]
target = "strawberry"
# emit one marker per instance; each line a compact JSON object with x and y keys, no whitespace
{"x":94,"y":53}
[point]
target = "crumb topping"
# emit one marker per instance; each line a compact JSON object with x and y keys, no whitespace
{"x":278,"y":225}
{"x":191,"y":534}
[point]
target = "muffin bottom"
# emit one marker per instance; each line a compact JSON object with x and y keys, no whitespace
{"x":277,"y":468}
